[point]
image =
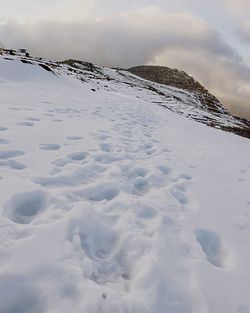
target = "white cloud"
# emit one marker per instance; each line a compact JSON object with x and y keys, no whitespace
{"x":123,"y":39}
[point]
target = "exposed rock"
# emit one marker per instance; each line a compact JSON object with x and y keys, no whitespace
{"x":179,"y":79}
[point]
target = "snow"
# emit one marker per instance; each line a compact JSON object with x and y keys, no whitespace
{"x":111,"y":203}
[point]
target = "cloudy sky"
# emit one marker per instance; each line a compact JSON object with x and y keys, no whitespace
{"x":209,"y":39}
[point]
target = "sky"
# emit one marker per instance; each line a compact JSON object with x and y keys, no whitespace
{"x":209,"y":39}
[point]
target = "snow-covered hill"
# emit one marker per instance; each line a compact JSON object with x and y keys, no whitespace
{"x":192,"y":101}
{"x":112,"y":203}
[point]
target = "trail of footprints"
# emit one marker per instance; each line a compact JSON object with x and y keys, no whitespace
{"x":8,"y":157}
{"x":112,"y":180}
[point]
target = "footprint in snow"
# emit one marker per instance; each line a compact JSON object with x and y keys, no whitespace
{"x":23,"y":207}
{"x":2,"y":129}
{"x":78,"y":156}
{"x":57,"y":120}
{"x":134,"y":172}
{"x":24,"y":296}
{"x":164,"y":169}
{"x":145,"y":212}
{"x":105,"y":147}
{"x":212,"y":246}
{"x":71,"y":158}
{"x":178,"y":191}
{"x":103,"y":257}
{"x":185,"y":177}
{"x":4,"y":141}
{"x":77,"y":177}
{"x":29,"y":124}
{"x":33,"y":119}
{"x":140,"y":186}
{"x":137,"y":181}
{"x":9,"y":154}
{"x":102,"y":135}
{"x":74,"y":138}
{"x":49,"y":114}
{"x":12,"y":164}
{"x":15,"y":109}
{"x":49,"y":146}
{"x":99,"y":192}
{"x":97,"y":240}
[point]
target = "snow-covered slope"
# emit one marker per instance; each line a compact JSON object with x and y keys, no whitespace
{"x":193,"y":101}
{"x":111,"y":203}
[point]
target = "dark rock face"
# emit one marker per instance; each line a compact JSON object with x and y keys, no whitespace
{"x":167,"y":76}
{"x":179,"y":79}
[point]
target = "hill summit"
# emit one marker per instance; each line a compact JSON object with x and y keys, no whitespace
{"x":180,"y":79}
{"x":168,"y":76}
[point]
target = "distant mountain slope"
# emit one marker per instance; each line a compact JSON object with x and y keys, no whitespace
{"x":180,"y":79}
{"x":172,"y":89}
{"x":167,"y":76}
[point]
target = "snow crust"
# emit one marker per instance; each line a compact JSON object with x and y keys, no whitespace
{"x":111,"y":203}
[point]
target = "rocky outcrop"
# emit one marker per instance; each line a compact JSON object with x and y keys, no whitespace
{"x":179,"y":79}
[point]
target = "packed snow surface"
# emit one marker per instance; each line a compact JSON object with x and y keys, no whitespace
{"x":113,"y":204}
